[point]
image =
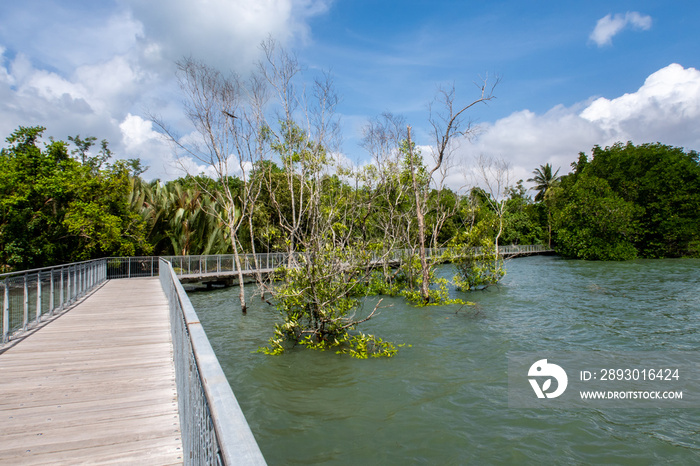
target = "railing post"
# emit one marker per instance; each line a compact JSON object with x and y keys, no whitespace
{"x":52,"y":302}
{"x":61,"y":292}
{"x":25,"y":321}
{"x":38,"y":296}
{"x":71,"y":284}
{"x":5,"y":311}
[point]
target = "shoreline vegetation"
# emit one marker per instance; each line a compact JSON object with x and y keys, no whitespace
{"x":625,"y":202}
{"x":280,"y":184}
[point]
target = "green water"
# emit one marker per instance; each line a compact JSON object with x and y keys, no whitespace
{"x":444,"y":400}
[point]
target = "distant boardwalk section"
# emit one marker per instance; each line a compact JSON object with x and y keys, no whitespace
{"x":221,"y":269}
{"x":95,"y":385}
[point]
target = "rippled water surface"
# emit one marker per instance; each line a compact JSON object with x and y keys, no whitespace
{"x":444,"y":400}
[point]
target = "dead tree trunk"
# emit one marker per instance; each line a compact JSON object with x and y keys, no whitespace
{"x":425,"y":270}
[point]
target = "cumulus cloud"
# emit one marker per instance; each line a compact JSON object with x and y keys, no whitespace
{"x":666,"y":109}
{"x":527,"y":140}
{"x":610,"y":25}
{"x":119,"y":64}
{"x":667,"y":106}
{"x":224,"y":33}
{"x":88,"y":102}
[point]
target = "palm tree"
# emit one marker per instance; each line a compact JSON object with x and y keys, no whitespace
{"x":544,"y":180}
{"x":194,"y":226}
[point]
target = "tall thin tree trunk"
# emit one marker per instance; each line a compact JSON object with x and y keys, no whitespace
{"x":425,"y":285}
{"x":258,"y":274}
{"x":500,"y":227}
{"x":241,"y":287}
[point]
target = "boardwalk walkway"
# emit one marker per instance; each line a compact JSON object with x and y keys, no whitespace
{"x":96,"y":385}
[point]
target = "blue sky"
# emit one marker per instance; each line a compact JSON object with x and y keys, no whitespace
{"x":573,"y":74}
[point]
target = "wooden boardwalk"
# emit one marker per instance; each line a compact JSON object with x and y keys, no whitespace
{"x":96,"y":385}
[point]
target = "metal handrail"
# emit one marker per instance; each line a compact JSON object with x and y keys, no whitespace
{"x":225,"y":263}
{"x":29,"y":296}
{"x":50,"y":289}
{"x":214,"y":429}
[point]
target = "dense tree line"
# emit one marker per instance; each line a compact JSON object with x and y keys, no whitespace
{"x":629,"y":201}
{"x":60,"y":202}
{"x":60,"y":205}
{"x":67,"y":201}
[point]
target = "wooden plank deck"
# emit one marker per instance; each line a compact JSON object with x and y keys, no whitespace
{"x":96,"y":385}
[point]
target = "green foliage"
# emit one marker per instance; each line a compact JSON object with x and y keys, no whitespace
{"x":664,"y":183}
{"x":406,"y":281}
{"x":595,"y":223}
{"x":630,"y":201}
{"x":544,"y":180}
{"x":523,"y":221}
{"x":381,"y":283}
{"x":478,"y":264}
{"x":319,"y":305}
{"x":473,"y":249}
{"x":182,"y":216}
{"x":439,"y":295}
{"x":362,"y":346}
{"x":54,"y":208}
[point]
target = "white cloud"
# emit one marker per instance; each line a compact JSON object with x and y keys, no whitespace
{"x":117,"y":63}
{"x":61,"y":36}
{"x":140,"y":139}
{"x":136,"y":131}
{"x":666,"y":109}
{"x":666,"y":106}
{"x":224,"y":33}
{"x":610,"y":25}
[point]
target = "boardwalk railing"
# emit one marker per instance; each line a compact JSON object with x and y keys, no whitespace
{"x":32,"y":295}
{"x":225,"y":263}
{"x":214,"y":429}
